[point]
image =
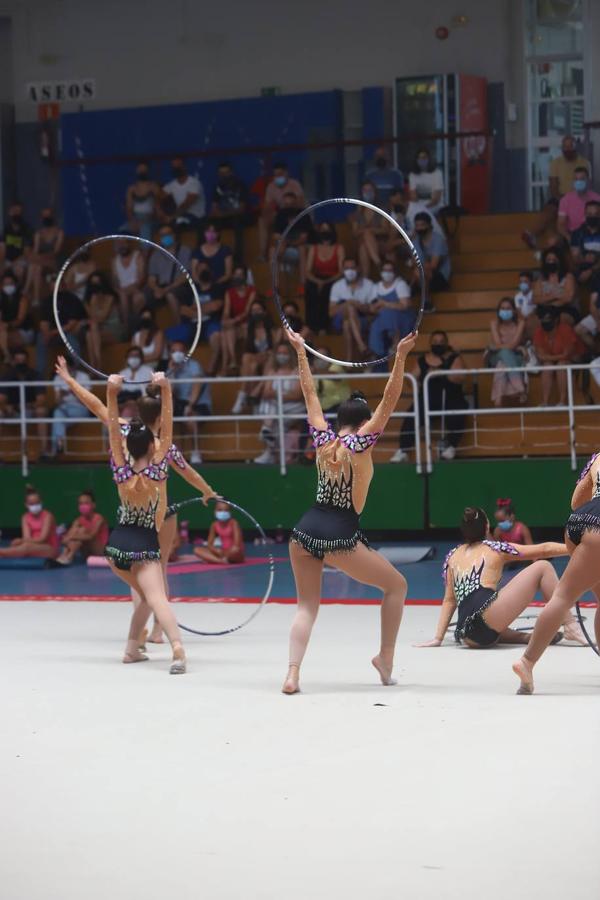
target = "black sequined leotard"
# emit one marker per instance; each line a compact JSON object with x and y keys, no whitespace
{"x":587,"y":516}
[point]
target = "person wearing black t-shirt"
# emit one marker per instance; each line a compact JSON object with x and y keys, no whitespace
{"x":35,"y":396}
{"x":73,"y":319}
{"x":16,"y":242}
{"x":230,"y":206}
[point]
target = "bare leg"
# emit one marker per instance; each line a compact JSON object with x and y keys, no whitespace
{"x":518,"y":594}
{"x":308,"y":573}
{"x":141,"y":614}
{"x":510,"y":636}
{"x":561,"y":381}
{"x":355,"y":329}
{"x":208,"y":555}
{"x":372,"y":248}
{"x":582,"y":573}
{"x":28,"y":548}
{"x":166,"y":538}
{"x":369,"y":567}
{"x":547,"y":379}
{"x":150,"y":579}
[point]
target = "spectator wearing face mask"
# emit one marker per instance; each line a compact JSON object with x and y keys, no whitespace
{"x":291,"y":311}
{"x":225,"y":542}
{"x":279,"y":185}
{"x":385,"y":178}
{"x":103,"y":315}
{"x":555,"y":344}
{"x":47,"y":245}
{"x":508,"y":528}
{"x":16,"y":322}
{"x":394,"y":313}
{"x":324,"y":266}
{"x":136,"y":373}
{"x":164,"y":276}
{"x":293,"y":251}
{"x":433,"y":253}
{"x":524,"y":303}
{"x":211,"y":304}
{"x":506,"y":351}
{"x":38,"y":531}
{"x":585,"y":245}
{"x":149,"y":338}
{"x":230,"y":206}
{"x":332,"y":392}
{"x":589,"y":326}
{"x":88,"y":535}
{"x":78,"y":273}
{"x":128,"y":272}
{"x":67,"y":407}
{"x":445,"y":393}
{"x":189,"y":399}
{"x":142,"y":203}
{"x":426,"y":182}
{"x":35,"y":396}
{"x":571,"y":209}
{"x":16,"y":242}
{"x":369,"y":230}
{"x":236,"y":310}
{"x":349,"y":307}
{"x":73,"y":319}
{"x":257,"y":353}
{"x":556,"y":287}
{"x":214,"y":257}
{"x":185,"y":195}
{"x":292,"y":403}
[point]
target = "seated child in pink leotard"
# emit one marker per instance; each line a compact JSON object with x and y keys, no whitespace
{"x":508,"y":528}
{"x":38,"y":531}
{"x":225,"y":538}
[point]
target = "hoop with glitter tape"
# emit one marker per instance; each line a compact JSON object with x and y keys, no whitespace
{"x":121,"y":237}
{"x":174,"y":509}
{"x":415,"y":257}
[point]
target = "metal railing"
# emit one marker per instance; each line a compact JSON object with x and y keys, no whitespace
{"x":570,"y":408}
{"x":24,"y":420}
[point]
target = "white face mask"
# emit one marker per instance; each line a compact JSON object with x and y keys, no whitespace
{"x":178,"y":357}
{"x":134,"y":362}
{"x":9,"y":289}
{"x":35,"y":508}
{"x":387,"y":276}
{"x":524,"y":287}
{"x":350,"y":274}
{"x":282,"y":359}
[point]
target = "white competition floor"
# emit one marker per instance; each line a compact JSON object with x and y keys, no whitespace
{"x":123,"y":782}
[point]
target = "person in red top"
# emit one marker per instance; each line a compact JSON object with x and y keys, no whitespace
{"x":556,"y":343}
{"x":225,"y":538}
{"x":508,"y":528}
{"x":38,"y":531}
{"x":324,"y":265}
{"x":238,"y":301}
{"x":87,"y":535}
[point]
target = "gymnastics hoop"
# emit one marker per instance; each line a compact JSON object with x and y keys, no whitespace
{"x":174,"y":509}
{"x":399,"y":229}
{"x":581,"y":621}
{"x":122,"y":237}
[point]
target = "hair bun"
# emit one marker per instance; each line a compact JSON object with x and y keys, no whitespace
{"x":471,"y":513}
{"x":136,"y":425}
{"x":153,"y":390}
{"x":358,"y":395}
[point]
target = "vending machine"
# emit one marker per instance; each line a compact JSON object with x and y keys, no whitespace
{"x":427,"y":112}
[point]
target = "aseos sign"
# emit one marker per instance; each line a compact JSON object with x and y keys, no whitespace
{"x":73,"y":91}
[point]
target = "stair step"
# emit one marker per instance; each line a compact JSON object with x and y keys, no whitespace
{"x":498,"y":224}
{"x":476,"y":243}
{"x":468,"y":300}
{"x":482,"y":281}
{"x":500,"y":260}
{"x":457,"y":320}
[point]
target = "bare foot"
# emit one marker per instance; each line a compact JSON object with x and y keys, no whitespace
{"x":178,"y":665}
{"x":385,"y":671}
{"x":156,"y":636}
{"x":134,"y":656}
{"x":524,"y":670}
{"x":291,"y":685}
{"x":572,"y":632}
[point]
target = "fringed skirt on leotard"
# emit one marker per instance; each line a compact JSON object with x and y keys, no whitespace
{"x":584,"y":518}
{"x":328,"y":529}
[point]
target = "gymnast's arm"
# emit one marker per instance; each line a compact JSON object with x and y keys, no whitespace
{"x":393,"y":389}
{"x":189,"y":474}
{"x":166,"y":414}
{"x":547,"y":550}
{"x":115,"y":383}
{"x":583,"y":490}
{"x":89,"y":400}
{"x":446,"y":613}
{"x":313,"y":406}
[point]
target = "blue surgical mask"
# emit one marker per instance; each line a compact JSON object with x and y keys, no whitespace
{"x":505,"y":314}
{"x":178,"y":356}
{"x":524,"y":287}
{"x":506,"y":525}
{"x":167,"y":240}
{"x":280,"y":181}
{"x":580,"y":184}
{"x":222,"y":515}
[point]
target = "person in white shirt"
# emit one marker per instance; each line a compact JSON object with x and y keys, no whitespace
{"x":67,"y":407}
{"x":426,"y":182}
{"x":187,"y":195}
{"x":526,"y":308}
{"x":136,"y":371}
{"x":394,"y":313}
{"x":350,"y":307}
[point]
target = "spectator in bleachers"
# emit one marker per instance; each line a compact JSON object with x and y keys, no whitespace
{"x":293,"y":252}
{"x":556,"y":343}
{"x":324,"y":263}
{"x":78,"y":273}
{"x":67,"y":406}
{"x":426,"y":182}
{"x":331,"y":392}
{"x":36,"y":404}
{"x":128,"y":272}
{"x":47,"y":244}
{"x":524,"y":302}
{"x":188,"y":399}
{"x":556,"y":287}
{"x":384,"y":177}
{"x":257,"y":355}
{"x":508,"y":528}
{"x":16,"y":322}
{"x":349,"y":307}
{"x":88,"y":534}
{"x":214,"y":257}
{"x":163,"y":275}
{"x":73,"y":318}
{"x":588,"y":328}
{"x":280,"y":184}
{"x":186,"y":206}
{"x":432,"y":248}
{"x":445,"y":393}
{"x":393,"y":308}
{"x":149,"y":338}
{"x":103,"y":316}
{"x":292,"y":403}
{"x":38,"y":531}
{"x":211,"y":304}
{"x":16,"y":242}
{"x":586,"y":238}
{"x":292,"y":313}
{"x":505,"y":351}
{"x":239,"y":298}
{"x":230,"y":206}
{"x":137,"y":373}
{"x":142,"y":203}
{"x":571,"y":209}
{"x":369,"y":229}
